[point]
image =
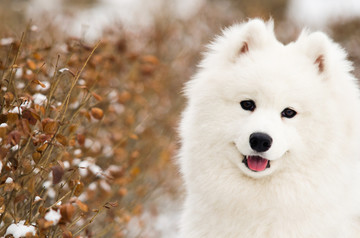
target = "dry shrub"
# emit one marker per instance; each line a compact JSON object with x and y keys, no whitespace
{"x":86,"y":131}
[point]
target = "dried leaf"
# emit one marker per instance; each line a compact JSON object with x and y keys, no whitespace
{"x":137,"y":210}
{"x":9,"y":97}
{"x":36,"y":157}
{"x":122,"y":192}
{"x":97,"y":96}
{"x":134,"y":136}
{"x":67,"y":234}
{"x":83,"y":207}
{"x":57,"y":172}
{"x":147,"y":69}
{"x":3,"y":118}
{"x":41,"y":148}
{"x":79,"y":188}
{"x":12,"y":118}
{"x":2,"y":132}
{"x":20,"y":198}
{"x":109,"y":205}
{"x":36,"y":81}
{"x":135,"y":171}
{"x":31,"y":184}
{"x":124,"y":97}
{"x":14,"y":137}
{"x":67,"y":211}
{"x":97,"y":113}
{"x":72,"y":142}
{"x":44,"y":224}
{"x":49,"y":125}
{"x":72,"y":128}
{"x":23,"y":124}
{"x":26,"y":165}
{"x":31,"y":64}
{"x":37,"y":56}
{"x":31,"y":116}
{"x":62,"y":139}
{"x":81,"y":139}
{"x":150,"y":59}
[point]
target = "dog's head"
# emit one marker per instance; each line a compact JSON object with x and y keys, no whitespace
{"x":264,"y":106}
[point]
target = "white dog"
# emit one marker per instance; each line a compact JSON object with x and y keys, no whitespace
{"x":271,"y":139}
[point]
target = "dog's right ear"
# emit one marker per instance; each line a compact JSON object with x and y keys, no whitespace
{"x":240,"y":40}
{"x":255,"y":35}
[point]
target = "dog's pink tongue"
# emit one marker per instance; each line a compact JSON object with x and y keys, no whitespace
{"x":257,"y":163}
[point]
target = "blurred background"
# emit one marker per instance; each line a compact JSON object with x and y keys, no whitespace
{"x":91,"y":100}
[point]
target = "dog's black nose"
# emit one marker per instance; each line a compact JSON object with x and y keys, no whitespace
{"x":260,"y":142}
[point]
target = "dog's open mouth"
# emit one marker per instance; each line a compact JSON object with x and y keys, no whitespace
{"x":256,"y":163}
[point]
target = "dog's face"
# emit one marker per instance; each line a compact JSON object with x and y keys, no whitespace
{"x":275,"y":108}
{"x":260,"y":104}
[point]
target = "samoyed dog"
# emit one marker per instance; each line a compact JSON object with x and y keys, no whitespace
{"x":271,"y":139}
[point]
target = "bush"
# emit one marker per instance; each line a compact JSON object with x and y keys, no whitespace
{"x":83,"y":134}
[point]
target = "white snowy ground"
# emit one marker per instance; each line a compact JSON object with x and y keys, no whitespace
{"x":160,"y":217}
{"x":89,"y":22}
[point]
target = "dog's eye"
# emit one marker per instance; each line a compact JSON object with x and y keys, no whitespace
{"x":288,"y":113}
{"x":248,"y":105}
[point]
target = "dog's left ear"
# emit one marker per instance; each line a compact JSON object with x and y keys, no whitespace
{"x":322,"y":51}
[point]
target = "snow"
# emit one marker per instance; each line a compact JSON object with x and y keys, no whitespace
{"x":20,"y":85}
{"x":53,"y":216}
{"x":89,"y":22}
{"x":19,"y":73}
{"x":39,"y":98}
{"x":15,"y":148}
{"x":118,"y":108}
{"x":16,"y":110}
{"x":6,"y":41}
{"x":74,"y":105}
{"x":51,"y":193}
{"x":81,"y":82}
{"x":108,"y":151}
{"x":47,"y":184}
{"x":63,"y":70}
{"x":37,"y":198}
{"x":88,"y":143}
{"x":113,"y":96}
{"x":104,"y":185}
{"x":9,"y":180}
{"x":95,"y":169}
{"x":92,"y":186}
{"x":3,"y":125}
{"x":66,"y":164}
{"x":89,"y":163}
{"x":20,"y":230}
{"x":76,"y":161}
{"x":34,"y":28}
{"x":319,"y":13}
{"x":77,"y":152}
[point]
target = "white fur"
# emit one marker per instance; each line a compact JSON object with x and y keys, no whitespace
{"x":312,"y":189}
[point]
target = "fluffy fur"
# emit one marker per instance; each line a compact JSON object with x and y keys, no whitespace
{"x":312,"y":188}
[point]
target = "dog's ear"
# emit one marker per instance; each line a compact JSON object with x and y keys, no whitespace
{"x":255,"y":35}
{"x":316,"y":47}
{"x":323,"y":52}
{"x":239,"y":40}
